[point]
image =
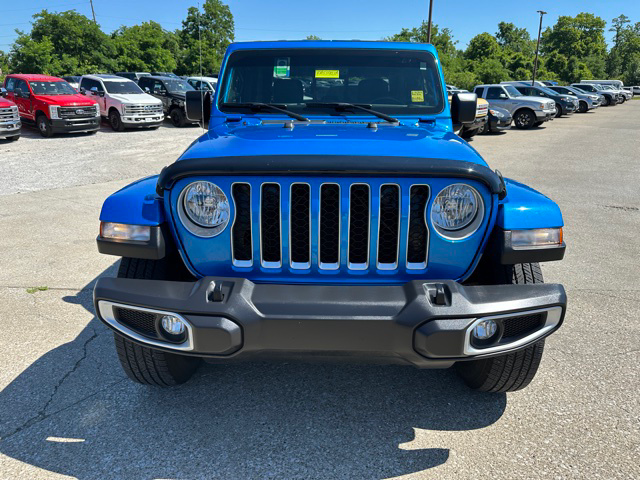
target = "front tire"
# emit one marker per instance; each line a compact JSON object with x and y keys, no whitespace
{"x":44,"y":126}
{"x":116,"y":121}
{"x":512,"y":371}
{"x":606,"y":102}
{"x":558,"y":110}
{"x":583,"y":107}
{"x":524,"y":119}
{"x":143,"y":364}
{"x":177,"y":118}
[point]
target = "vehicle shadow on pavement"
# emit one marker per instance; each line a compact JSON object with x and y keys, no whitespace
{"x":74,"y":412}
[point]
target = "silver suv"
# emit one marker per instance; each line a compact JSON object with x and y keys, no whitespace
{"x":526,"y":111}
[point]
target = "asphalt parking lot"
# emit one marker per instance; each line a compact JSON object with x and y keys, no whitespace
{"x":66,"y":407}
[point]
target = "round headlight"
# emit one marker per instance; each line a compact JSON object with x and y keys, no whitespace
{"x":206,"y":206}
{"x":455,"y":207}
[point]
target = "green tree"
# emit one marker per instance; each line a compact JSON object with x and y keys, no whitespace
{"x":205,"y":34}
{"x":146,"y":47}
{"x":490,"y":70}
{"x":313,"y":37}
{"x":4,"y":64}
{"x":28,"y":55}
{"x":483,"y":46}
{"x":579,"y":36}
{"x":441,"y":39}
{"x":515,"y":39}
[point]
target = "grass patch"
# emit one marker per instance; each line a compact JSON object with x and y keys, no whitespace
{"x":37,"y":289}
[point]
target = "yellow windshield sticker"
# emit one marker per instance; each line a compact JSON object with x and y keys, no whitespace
{"x":327,"y":73}
{"x":417,"y":96}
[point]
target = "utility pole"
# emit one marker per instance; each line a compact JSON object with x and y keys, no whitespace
{"x":93,"y":12}
{"x":535,"y":64}
{"x":429,"y":25}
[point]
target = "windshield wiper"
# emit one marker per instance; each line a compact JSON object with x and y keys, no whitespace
{"x":339,"y":106}
{"x":257,"y":106}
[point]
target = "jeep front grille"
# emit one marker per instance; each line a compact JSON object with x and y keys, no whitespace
{"x":285,"y":213}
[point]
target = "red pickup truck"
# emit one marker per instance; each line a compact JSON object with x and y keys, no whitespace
{"x":9,"y":119}
{"x":52,"y":104}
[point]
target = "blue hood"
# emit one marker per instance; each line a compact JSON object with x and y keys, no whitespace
{"x":238,"y":139}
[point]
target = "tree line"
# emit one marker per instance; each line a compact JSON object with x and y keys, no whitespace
{"x":574,"y":48}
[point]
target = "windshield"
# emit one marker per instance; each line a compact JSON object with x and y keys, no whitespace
{"x":394,"y":82}
{"x":178,"y":85}
{"x":123,"y":87}
{"x":512,"y":91}
{"x":579,"y":90}
{"x":548,"y":91}
{"x":52,"y":88}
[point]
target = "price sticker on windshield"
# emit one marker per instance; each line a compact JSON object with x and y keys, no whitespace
{"x":417,"y":96}
{"x":327,"y":73}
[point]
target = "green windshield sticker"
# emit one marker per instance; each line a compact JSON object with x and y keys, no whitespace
{"x":282,"y":69}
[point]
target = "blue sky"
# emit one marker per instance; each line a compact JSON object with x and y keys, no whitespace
{"x":329,"y":19}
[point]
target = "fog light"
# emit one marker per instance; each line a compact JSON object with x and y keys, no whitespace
{"x":172,"y":325}
{"x":485,"y":329}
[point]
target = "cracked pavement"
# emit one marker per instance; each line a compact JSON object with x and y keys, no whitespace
{"x":67,"y":409}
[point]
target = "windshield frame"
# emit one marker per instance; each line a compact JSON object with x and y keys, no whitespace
{"x":223,"y":85}
{"x":33,"y":85}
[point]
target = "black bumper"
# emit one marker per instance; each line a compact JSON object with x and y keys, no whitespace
{"x":497,"y":125}
{"x":426,"y":324}
{"x":75,"y":125}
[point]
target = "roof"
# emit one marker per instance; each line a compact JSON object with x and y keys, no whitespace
{"x":360,"y":44}
{"x":107,"y":77}
{"x":35,"y":77}
{"x":161,"y":77}
{"x":208,"y":79}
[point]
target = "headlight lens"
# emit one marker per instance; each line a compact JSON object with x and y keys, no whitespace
{"x":54,"y":112}
{"x":455,"y":207}
{"x":97,"y":110}
{"x":206,"y":206}
{"x":495,"y":113}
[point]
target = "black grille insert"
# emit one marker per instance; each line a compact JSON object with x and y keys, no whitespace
{"x":330,"y":224}
{"x":241,"y":230}
{"x":418,"y":232}
{"x":523,"y":325}
{"x":141,"y":322}
{"x":389,"y":225}
{"x":270,"y":223}
{"x":300,"y":224}
{"x":359,"y":212}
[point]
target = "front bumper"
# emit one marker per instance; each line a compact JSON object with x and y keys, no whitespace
{"x":545,"y":115}
{"x":134,"y":121}
{"x":10,"y":129}
{"x":499,"y":124}
{"x":426,"y":324}
{"x":75,"y":124}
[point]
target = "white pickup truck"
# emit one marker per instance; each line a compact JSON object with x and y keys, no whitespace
{"x":122,"y":102}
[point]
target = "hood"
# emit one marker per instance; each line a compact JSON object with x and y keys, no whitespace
{"x":535,"y":99}
{"x":180,"y":95}
{"x":4,"y":103}
{"x":136,"y":98}
{"x":236,"y":139}
{"x":67,"y":100}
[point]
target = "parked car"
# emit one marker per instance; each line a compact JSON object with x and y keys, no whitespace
{"x":203,"y":83}
{"x":631,"y":90}
{"x":73,"y":80}
{"x":9,"y":118}
{"x":499,"y":121}
{"x":617,"y":84}
{"x":52,"y":105}
{"x":135,"y":76}
{"x":565,"y":105}
{"x":471,"y":129}
{"x":623,"y":95}
{"x":331,"y":228}
{"x":527,"y":112}
{"x":122,"y":102}
{"x":171,"y":91}
{"x":586,"y":101}
{"x":610,"y":98}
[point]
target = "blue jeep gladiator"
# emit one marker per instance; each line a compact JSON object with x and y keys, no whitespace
{"x":330,"y":212}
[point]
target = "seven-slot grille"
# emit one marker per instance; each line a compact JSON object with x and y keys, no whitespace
{"x":143,"y":110}
{"x":358,"y":205}
{"x":9,"y":114}
{"x":78,"y":112}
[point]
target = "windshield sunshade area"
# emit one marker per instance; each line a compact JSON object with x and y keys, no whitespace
{"x":124,"y":87}
{"x":52,"y":88}
{"x":178,"y":85}
{"x":394,"y":82}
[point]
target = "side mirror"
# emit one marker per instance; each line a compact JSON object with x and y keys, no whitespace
{"x":463,"y":107}
{"x":198,"y":105}
{"x":503,"y":95}
{"x":3,"y":92}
